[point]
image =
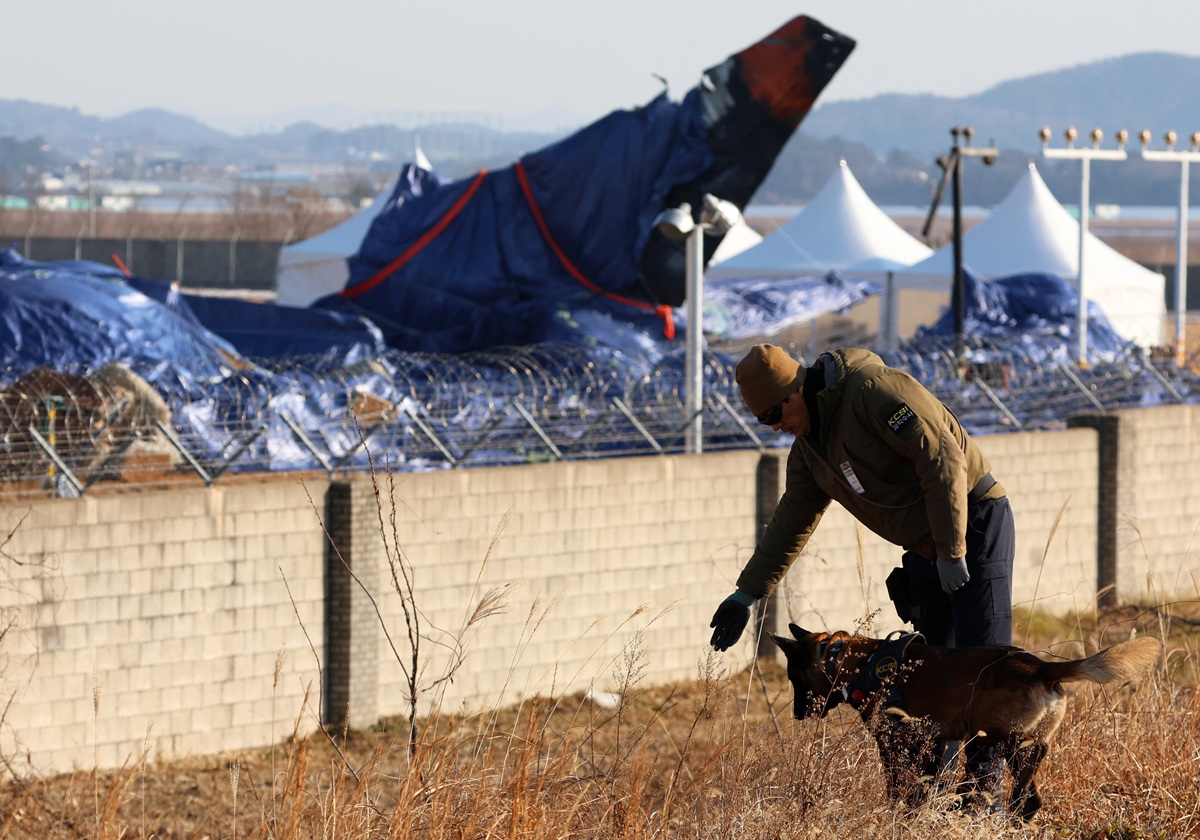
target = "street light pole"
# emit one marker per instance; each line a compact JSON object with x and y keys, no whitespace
{"x":716,"y":218}
{"x":960,"y":279}
{"x":1085,"y":156}
{"x":1185,"y":159}
{"x":694,"y":440}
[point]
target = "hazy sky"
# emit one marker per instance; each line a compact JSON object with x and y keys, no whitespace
{"x":258,"y":64}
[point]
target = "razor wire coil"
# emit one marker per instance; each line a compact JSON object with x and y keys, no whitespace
{"x":66,"y":432}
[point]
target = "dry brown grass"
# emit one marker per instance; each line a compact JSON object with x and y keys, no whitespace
{"x":717,"y":757}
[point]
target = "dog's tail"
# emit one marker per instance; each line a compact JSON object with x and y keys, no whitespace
{"x":1123,"y":662}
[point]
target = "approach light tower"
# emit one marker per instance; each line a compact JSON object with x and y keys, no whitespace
{"x":1085,"y":156}
{"x":1185,"y":159}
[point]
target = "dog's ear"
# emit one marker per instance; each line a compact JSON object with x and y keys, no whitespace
{"x":799,"y":652}
{"x":785,"y":644}
{"x":798,"y":631}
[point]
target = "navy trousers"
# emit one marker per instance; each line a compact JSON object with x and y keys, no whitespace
{"x":978,"y":614}
{"x":981,"y":612}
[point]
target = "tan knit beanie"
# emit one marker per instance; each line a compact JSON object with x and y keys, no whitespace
{"x":767,"y":375}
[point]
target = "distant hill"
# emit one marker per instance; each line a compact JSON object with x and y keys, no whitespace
{"x":891,"y":141}
{"x":458,"y":148}
{"x":1144,"y":90}
{"x":157,"y":125}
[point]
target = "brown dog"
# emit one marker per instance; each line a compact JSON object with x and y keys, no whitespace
{"x":914,"y":696}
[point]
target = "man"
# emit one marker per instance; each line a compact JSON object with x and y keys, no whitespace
{"x":875,"y":440}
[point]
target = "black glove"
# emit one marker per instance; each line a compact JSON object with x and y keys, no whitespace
{"x":730,"y":620}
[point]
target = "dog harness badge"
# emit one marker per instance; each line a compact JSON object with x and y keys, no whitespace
{"x":901,"y":416}
{"x":848,"y":471}
{"x":886,"y":667}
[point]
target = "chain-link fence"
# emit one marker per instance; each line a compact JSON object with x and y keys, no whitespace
{"x":67,"y":432}
{"x":236,"y":263}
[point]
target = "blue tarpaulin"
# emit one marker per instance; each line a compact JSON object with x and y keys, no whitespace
{"x":745,"y":308}
{"x":264,"y":330}
{"x":490,"y":276}
{"x":492,"y":259}
{"x":1039,"y":310}
{"x":77,"y":316}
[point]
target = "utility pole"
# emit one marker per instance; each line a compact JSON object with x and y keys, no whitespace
{"x":951,"y":165}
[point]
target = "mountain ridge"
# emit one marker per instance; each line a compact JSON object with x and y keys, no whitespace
{"x":1111,"y":94}
{"x":890,"y":140}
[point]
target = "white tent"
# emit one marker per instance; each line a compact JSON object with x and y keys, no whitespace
{"x":737,"y":239}
{"x":841,"y":229}
{"x":1029,"y":231}
{"x":316,"y":267}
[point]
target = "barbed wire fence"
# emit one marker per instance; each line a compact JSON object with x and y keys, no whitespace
{"x":68,"y":433}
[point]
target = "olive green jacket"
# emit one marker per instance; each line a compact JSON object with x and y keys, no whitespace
{"x":889,"y":452}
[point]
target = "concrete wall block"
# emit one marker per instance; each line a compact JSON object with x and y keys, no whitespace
{"x":481,"y":514}
{"x":252,"y":549}
{"x":174,"y":553}
{"x":212,"y":526}
{"x":293,"y":546}
{"x":79,"y":539}
{"x":102,"y":585}
{"x":91,"y":512}
{"x":193,"y":530}
{"x":137,"y":581}
{"x":50,"y":516}
{"x":632,"y":471}
{"x":66,"y":664}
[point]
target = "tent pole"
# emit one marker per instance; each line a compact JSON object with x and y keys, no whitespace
{"x":891,"y":316}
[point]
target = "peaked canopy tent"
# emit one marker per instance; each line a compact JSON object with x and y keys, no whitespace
{"x":841,"y":229}
{"x":737,"y":239}
{"x":1030,"y":232}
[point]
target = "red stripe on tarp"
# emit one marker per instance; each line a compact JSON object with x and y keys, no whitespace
{"x":412,"y":250}
{"x":662,"y":311}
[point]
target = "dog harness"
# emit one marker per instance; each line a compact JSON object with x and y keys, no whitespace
{"x":881,"y":666}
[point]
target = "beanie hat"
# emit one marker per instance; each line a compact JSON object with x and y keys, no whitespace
{"x":767,"y":375}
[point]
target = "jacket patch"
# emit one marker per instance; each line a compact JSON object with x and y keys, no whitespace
{"x":901,"y":416}
{"x":848,"y":471}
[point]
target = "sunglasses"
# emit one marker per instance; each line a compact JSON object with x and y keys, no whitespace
{"x":772,"y":415}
